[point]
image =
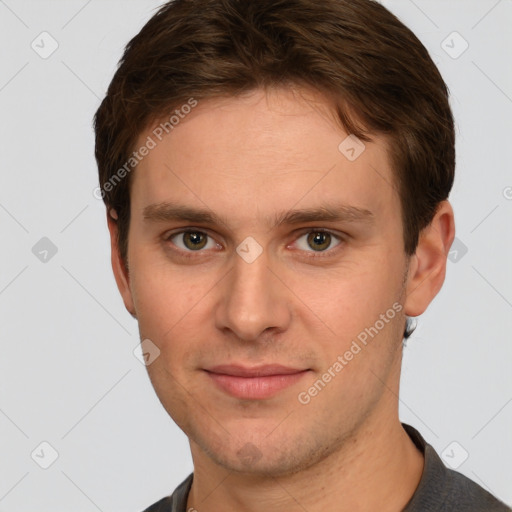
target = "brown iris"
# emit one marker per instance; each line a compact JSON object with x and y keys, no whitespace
{"x":319,"y":240}
{"x":194,"y":239}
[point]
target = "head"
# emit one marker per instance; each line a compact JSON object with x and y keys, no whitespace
{"x":308,"y":152}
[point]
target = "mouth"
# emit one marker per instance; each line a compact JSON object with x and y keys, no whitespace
{"x":256,"y":383}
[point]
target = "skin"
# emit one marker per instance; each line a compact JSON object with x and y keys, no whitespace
{"x":247,"y":159}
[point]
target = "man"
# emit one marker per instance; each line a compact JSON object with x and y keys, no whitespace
{"x":276,"y":176}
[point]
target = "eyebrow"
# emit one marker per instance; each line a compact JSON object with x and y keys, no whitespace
{"x":166,"y":211}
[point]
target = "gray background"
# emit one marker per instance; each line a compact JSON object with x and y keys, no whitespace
{"x":68,"y":374}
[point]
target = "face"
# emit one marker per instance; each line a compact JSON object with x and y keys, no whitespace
{"x":256,"y":241}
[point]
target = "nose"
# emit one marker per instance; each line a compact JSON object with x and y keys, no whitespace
{"x":253,"y":300}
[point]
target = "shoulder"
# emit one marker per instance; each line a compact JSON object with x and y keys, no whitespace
{"x":163,"y":505}
{"x":458,"y":492}
{"x":177,"y":501}
{"x":468,"y":495}
{"x":444,"y":490}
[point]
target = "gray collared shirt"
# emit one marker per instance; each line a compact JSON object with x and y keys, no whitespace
{"x":440,"y":489}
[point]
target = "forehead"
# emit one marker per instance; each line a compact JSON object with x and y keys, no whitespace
{"x":261,"y":151}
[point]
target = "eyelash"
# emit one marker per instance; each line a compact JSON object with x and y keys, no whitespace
{"x":311,"y":254}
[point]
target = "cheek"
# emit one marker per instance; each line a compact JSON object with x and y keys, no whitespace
{"x":347,"y":300}
{"x":360,"y":315}
{"x":174,"y":309}
{"x":164,"y":293}
{"x":363,"y":315}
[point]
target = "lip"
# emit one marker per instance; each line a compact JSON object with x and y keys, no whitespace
{"x":255,"y":383}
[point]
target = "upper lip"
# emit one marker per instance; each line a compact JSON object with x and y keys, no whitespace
{"x":254,"y":371}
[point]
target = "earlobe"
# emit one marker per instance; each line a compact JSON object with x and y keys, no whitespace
{"x":427,"y":267}
{"x":118,"y":265}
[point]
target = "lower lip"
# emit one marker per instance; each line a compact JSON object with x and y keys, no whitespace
{"x":255,"y":388}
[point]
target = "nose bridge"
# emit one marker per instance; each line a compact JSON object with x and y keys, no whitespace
{"x":253,"y":299}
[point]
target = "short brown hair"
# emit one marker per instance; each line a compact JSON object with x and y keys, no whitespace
{"x":377,"y":74}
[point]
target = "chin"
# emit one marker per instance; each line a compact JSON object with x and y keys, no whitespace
{"x":266,"y":455}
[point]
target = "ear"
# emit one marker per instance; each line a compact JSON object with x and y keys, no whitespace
{"x":118,"y":265}
{"x":427,"y":267}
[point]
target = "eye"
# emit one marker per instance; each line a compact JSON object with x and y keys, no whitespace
{"x":319,"y":240}
{"x":192,"y":240}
